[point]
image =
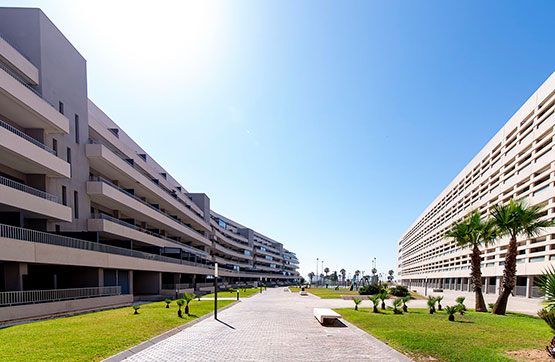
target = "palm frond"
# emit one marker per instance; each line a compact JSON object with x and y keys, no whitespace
{"x":546,"y":282}
{"x":548,"y":315}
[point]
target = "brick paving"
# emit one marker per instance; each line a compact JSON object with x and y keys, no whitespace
{"x":271,"y":326}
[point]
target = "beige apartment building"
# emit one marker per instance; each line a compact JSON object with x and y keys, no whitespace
{"x":518,"y":162}
{"x":87,"y":218}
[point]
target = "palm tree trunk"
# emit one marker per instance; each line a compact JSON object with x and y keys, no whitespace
{"x":476,"y":276}
{"x":509,"y":278}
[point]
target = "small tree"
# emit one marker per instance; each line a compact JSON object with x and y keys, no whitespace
{"x":374,"y":300}
{"x":188,"y":298}
{"x":451,"y":312}
{"x":390,"y":277}
{"x":405,"y":301}
{"x":397,"y":303}
{"x":311,"y":276}
{"x":180,"y":303}
{"x":383,"y":297}
{"x":460,"y":305}
{"x":168,"y":301}
{"x":136,"y":308}
{"x":432,"y":304}
{"x":438,"y":300}
{"x":357,"y":302}
{"x":546,"y":282}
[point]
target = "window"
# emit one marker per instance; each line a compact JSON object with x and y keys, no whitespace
{"x":68,"y":158}
{"x":222,"y":223}
{"x":247,"y":252}
{"x":76,"y":204}
{"x":61,"y":107}
{"x":57,"y":228}
{"x":55,"y":146}
{"x":64,"y":196}
{"x":77,"y":128}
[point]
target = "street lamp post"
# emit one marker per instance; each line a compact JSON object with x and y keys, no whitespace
{"x":322,"y":268}
{"x":317,"y":275}
{"x":216,"y":291}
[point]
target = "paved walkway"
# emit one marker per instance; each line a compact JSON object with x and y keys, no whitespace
{"x":272,"y":326}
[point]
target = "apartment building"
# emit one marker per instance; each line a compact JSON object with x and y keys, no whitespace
{"x":87,"y":218}
{"x":518,"y":162}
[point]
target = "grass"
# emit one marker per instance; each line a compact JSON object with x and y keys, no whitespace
{"x":472,"y":337}
{"x":329,"y":293}
{"x":243,"y":293}
{"x":326,"y":293}
{"x":94,"y":336}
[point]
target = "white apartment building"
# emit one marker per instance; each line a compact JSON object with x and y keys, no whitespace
{"x":518,"y":162}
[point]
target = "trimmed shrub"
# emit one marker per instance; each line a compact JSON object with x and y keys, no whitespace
{"x":371,"y":289}
{"x":399,"y":291}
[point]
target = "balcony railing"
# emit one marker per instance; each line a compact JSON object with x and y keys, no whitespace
{"x":27,"y":189}
{"x":101,"y":179}
{"x":189,"y":248}
{"x":26,"y":137}
{"x":17,"y":233}
{"x":177,"y":286}
{"x":16,"y":77}
{"x":55,"y":295}
{"x":148,"y":176}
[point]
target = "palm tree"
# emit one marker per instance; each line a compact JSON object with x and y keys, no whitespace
{"x":311,"y":275}
{"x":136,"y":308}
{"x":438,"y":300}
{"x":432,"y":304}
{"x":460,"y":305}
{"x":514,"y":219}
{"x":474,"y":231}
{"x":357,"y":302}
{"x":374,"y":300}
{"x":180,"y":303}
{"x":397,"y":303}
{"x":546,"y":282}
{"x":188,"y":297}
{"x":390,"y":277}
{"x":405,"y":301}
{"x":343,"y":272}
{"x":451,"y":312}
{"x":383,"y":296}
{"x":168,"y":301}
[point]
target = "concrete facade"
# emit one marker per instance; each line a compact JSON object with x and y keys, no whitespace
{"x":518,"y":162}
{"x":83,"y":206}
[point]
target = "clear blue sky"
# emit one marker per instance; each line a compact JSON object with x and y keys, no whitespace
{"x":329,"y":126}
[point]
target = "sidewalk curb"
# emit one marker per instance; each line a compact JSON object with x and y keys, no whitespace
{"x":151,"y":342}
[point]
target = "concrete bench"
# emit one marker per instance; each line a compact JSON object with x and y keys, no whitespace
{"x":304,"y":293}
{"x":325,"y":315}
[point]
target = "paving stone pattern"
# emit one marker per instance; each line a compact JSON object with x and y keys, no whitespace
{"x":272,"y":326}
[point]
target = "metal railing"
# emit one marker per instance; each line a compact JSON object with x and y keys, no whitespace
{"x":27,"y":189}
{"x":520,"y":290}
{"x":55,"y":295}
{"x":17,"y":233}
{"x":491,"y":289}
{"x":148,"y":176}
{"x":189,"y":248}
{"x":101,"y":179}
{"x":17,"y":78}
{"x":177,"y":286}
{"x":26,"y":137}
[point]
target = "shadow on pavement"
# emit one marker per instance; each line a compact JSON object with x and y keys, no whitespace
{"x":224,"y":323}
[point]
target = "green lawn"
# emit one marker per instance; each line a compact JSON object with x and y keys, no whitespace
{"x":472,"y":337}
{"x":93,"y":336}
{"x":242,"y":293}
{"x":326,"y":293}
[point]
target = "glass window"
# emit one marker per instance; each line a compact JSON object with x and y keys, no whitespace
{"x":222,"y":223}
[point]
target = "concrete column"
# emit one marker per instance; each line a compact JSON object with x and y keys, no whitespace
{"x":13,"y":276}
{"x":486,"y":286}
{"x":130,"y":282}
{"x":529,"y":284}
{"x":498,"y":285}
{"x":101,"y":277}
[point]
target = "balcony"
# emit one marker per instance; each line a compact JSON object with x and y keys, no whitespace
{"x":15,"y":251}
{"x":109,"y":195}
{"x":32,"y":202}
{"x":224,"y":261}
{"x":21,"y":65}
{"x":114,"y":166}
{"x":230,"y":252}
{"x":121,"y":229}
{"x":25,"y":154}
{"x":225,"y":240}
{"x":24,"y":105}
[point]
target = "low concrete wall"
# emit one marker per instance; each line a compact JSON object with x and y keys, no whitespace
{"x":75,"y":305}
{"x":171,"y":292}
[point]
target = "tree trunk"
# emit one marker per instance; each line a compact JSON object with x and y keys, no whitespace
{"x":375,"y":309}
{"x":451,"y":318}
{"x":356,"y":306}
{"x":509,"y":278}
{"x":405,"y":309}
{"x":187,"y":309}
{"x":476,"y":278}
